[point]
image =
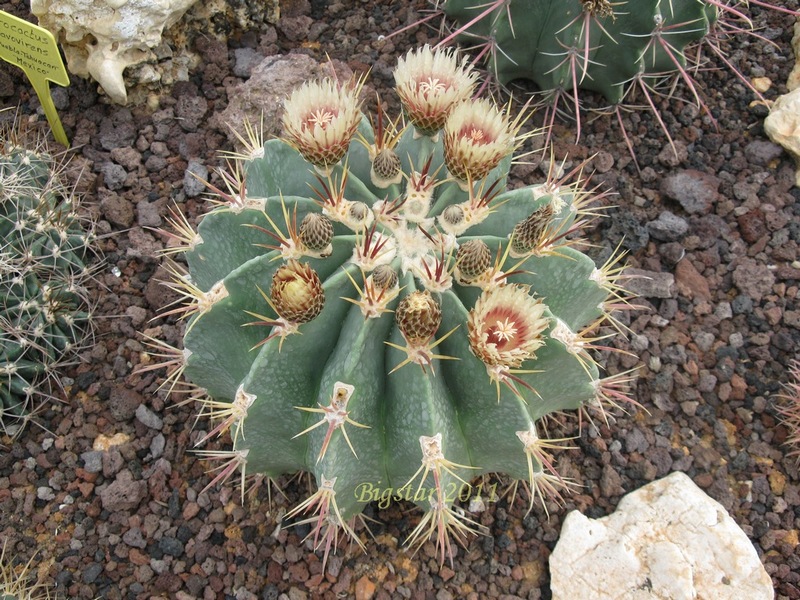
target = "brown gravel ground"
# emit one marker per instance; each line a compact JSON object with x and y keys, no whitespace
{"x":715,"y":346}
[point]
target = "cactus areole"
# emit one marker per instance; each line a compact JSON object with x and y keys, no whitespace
{"x":370,"y":303}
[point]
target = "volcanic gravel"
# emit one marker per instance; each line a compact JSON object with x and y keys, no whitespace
{"x":711,"y":222}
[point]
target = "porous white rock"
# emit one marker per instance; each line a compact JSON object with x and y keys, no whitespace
{"x":793,"y":82}
{"x":101,"y":38}
{"x":666,"y":541}
{"x":782,"y":125}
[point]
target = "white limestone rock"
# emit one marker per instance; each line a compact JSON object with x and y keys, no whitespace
{"x":793,"y":82}
{"x":666,"y":541}
{"x":782,"y":125}
{"x":101,"y":38}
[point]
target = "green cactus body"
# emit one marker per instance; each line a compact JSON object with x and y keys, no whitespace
{"x":547,"y":42}
{"x":426,"y":365}
{"x":43,"y":255}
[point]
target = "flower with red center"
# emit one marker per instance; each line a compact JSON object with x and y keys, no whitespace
{"x":320,"y":118}
{"x":505,"y":326}
{"x":477,"y":136}
{"x":430,"y":83}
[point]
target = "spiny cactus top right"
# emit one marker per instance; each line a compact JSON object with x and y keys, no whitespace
{"x":588,"y":44}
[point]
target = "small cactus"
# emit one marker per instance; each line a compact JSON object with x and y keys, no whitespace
{"x":43,"y":252}
{"x":20,"y":583}
{"x":618,"y":49}
{"x":392,"y":331}
{"x":789,"y":410}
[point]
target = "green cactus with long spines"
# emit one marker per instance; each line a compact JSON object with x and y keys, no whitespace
{"x":20,"y":583}
{"x":44,"y":249}
{"x":593,"y":45}
{"x":623,"y":50}
{"x":370,"y":303}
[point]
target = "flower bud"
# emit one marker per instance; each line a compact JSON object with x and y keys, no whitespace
{"x":386,"y":169}
{"x":473,"y":259}
{"x":296,"y":292}
{"x":418,"y":317}
{"x":384,"y":277}
{"x":316,"y":231}
{"x":529,"y":233}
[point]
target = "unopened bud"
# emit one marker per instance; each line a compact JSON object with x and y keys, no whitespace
{"x":297,"y":292}
{"x":473,"y":258}
{"x":316,"y":231}
{"x":418,"y":317}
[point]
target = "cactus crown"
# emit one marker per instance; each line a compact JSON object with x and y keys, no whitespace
{"x":44,"y":248}
{"x":397,"y":322}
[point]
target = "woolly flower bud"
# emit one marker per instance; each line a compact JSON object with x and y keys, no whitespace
{"x":296,"y":292}
{"x":386,"y":169}
{"x":505,"y":326}
{"x":418,"y":317}
{"x":430,"y":83}
{"x":477,"y":136}
{"x":316,"y":231}
{"x":529,"y":233}
{"x":384,"y":277}
{"x":473,"y":258}
{"x":320,"y":118}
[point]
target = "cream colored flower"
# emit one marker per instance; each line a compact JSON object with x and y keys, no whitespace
{"x":320,"y":118}
{"x":477,"y":136}
{"x":505,"y":326}
{"x":430,"y":83}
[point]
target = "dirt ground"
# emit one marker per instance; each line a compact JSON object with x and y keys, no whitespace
{"x":713,"y":346}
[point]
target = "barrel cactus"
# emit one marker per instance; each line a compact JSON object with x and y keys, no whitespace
{"x":370,"y":303}
{"x":44,"y":249}
{"x":19,"y":582}
{"x":613,"y":48}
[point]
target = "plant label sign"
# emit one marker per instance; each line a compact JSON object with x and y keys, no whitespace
{"x":34,"y":50}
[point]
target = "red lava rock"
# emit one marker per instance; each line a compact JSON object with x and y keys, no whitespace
{"x":190,"y":510}
{"x":365,"y":589}
{"x":274,"y":571}
{"x":690,"y":282}
{"x":85,"y":475}
{"x":752,"y":226}
{"x":696,"y":191}
{"x":124,"y":493}
{"x":298,"y":572}
{"x":137,"y":557}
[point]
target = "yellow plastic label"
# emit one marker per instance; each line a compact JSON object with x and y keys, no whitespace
{"x":34,"y":50}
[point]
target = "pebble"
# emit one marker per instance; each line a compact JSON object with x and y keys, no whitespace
{"x":114,"y":175}
{"x":148,"y":418}
{"x":753,"y":279}
{"x":157,"y":445}
{"x":123,"y":402}
{"x":196,"y":174}
{"x":92,"y":461}
{"x":668,"y":227}
{"x":124,"y":493}
{"x":245,"y":59}
{"x":650,"y":284}
{"x":694,"y":190}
